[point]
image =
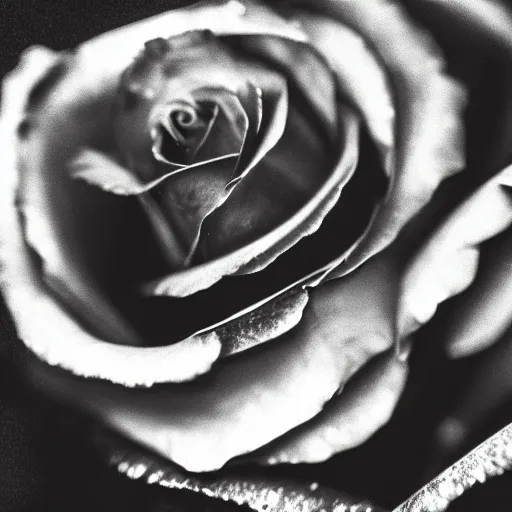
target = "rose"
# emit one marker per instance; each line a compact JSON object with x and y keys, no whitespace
{"x":346,"y":322}
{"x":419,"y":271}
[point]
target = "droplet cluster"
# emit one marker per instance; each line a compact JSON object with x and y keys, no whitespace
{"x":260,"y":495}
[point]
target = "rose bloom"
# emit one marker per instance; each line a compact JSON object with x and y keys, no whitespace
{"x":221,"y":227}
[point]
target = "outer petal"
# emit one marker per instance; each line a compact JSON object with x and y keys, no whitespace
{"x":43,"y":324}
{"x":253,"y":398}
{"x":429,"y":107}
{"x":447,"y":263}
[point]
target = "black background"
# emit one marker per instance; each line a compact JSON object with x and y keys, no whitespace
{"x":46,"y":459}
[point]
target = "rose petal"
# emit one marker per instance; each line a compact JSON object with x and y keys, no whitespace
{"x":261,"y":323}
{"x":48,"y":330}
{"x":286,"y":179}
{"x":255,"y":397}
{"x":187,"y":198}
{"x":485,"y":313}
{"x":252,"y":102}
{"x":360,"y":76}
{"x":81,"y":293}
{"x":259,"y":253}
{"x":99,"y":169}
{"x":42,"y":323}
{"x":429,"y":116}
{"x":363,"y":407}
{"x":447,"y":263}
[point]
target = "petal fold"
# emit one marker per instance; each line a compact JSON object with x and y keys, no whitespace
{"x":306,"y":69}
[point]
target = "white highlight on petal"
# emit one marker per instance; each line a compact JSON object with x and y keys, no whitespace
{"x":261,"y":322}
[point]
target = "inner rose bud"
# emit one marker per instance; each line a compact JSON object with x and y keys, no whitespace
{"x":194,"y":115}
{"x":182,"y":132}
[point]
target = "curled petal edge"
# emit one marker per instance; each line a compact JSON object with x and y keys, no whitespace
{"x":485,"y":314}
